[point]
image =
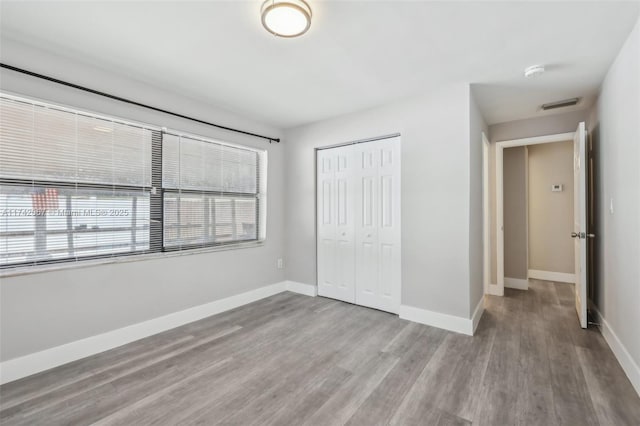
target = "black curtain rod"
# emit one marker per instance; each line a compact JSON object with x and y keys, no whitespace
{"x":118,"y":98}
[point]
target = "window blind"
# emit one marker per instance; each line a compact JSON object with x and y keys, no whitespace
{"x":72,"y":184}
{"x":212,"y":192}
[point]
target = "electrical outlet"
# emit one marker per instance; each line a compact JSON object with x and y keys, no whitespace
{"x":280,"y":264}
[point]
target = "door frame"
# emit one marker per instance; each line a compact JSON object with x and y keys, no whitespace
{"x":498,"y":288}
{"x":486,"y":215}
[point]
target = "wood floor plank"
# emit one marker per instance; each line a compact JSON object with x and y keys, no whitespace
{"x":565,"y":294}
{"x":420,"y":403}
{"x":613,"y":397}
{"x":381,"y":405}
{"x":571,"y":397}
{"x":138,"y":412}
{"x":341,"y":406}
{"x":468,"y":370}
{"x":404,"y":339}
{"x":296,"y":411}
{"x":500,"y":385}
{"x":533,"y":405}
{"x":448,"y":419}
{"x":381,"y":328}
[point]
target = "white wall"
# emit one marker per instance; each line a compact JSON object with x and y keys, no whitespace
{"x":477,"y":126}
{"x":435,"y":193}
{"x":43,"y":310}
{"x":616,"y":130}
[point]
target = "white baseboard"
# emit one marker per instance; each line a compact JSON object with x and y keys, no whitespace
{"x":517,"y":283}
{"x":493,"y":290}
{"x":301,"y":288}
{"x":627,"y":363}
{"x":437,"y":319}
{"x":561,"y":277}
{"x":27,"y":365}
{"x":477,"y":314}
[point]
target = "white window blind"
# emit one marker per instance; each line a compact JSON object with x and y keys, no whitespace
{"x":212,"y":192}
{"x":72,"y":185}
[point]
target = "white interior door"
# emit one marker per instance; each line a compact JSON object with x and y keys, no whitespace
{"x":579,"y":233}
{"x":344,"y":204}
{"x":335,"y":211}
{"x":378,"y":224}
{"x":367,"y":211}
{"x":389,"y":250}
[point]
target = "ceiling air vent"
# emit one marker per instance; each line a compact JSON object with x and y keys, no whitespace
{"x":560,"y":104}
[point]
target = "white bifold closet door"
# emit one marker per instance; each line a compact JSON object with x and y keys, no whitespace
{"x":336,"y":232}
{"x":359,"y":223}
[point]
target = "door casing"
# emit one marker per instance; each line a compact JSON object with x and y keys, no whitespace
{"x":497,"y":289}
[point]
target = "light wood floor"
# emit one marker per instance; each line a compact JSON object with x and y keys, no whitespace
{"x":295,"y":360}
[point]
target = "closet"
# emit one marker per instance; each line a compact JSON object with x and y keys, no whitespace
{"x":358,"y":223}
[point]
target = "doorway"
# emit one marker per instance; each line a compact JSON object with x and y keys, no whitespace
{"x":579,"y":218}
{"x":358,"y":223}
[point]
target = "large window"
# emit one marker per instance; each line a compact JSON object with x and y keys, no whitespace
{"x":75,"y":186}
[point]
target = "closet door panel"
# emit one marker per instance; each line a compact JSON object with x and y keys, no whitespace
{"x":335,"y":248}
{"x":389,"y":231}
{"x":326,"y":224}
{"x":345,"y":240}
{"x":367,"y":217}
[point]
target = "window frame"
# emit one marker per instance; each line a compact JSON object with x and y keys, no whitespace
{"x":156,"y":228}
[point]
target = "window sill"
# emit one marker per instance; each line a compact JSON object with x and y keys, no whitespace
{"x":29,"y":270}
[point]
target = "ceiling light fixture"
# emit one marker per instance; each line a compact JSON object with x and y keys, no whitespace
{"x":533,"y":71}
{"x":286,"y":18}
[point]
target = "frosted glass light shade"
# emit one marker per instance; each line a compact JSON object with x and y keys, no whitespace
{"x":286,"y":18}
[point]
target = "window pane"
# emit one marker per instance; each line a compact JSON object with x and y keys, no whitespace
{"x":46,"y":143}
{"x":52,"y":223}
{"x":195,"y":164}
{"x":204,"y":219}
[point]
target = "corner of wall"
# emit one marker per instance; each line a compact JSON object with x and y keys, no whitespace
{"x":476,"y":125}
